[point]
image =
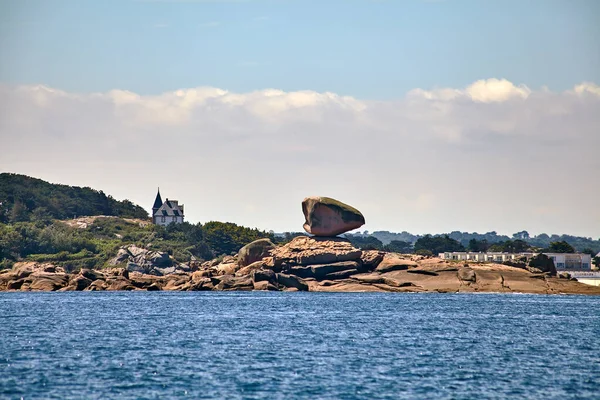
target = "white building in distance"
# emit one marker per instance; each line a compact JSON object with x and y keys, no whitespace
{"x":169,"y":212}
{"x":562,"y":261}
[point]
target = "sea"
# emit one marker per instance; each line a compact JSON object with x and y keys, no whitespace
{"x":284,"y":345}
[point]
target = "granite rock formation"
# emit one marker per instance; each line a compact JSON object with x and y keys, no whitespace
{"x":305,"y":264}
{"x":329,"y":217}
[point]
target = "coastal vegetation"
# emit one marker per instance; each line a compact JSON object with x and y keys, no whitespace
{"x":23,"y":198}
{"x":490,"y":241}
{"x":37,"y":224}
{"x":91,"y":246}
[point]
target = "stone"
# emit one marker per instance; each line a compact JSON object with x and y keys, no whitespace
{"x":96,"y":286}
{"x":92,"y":274}
{"x":247,"y":270}
{"x":121,"y":257}
{"x":254,"y":251}
{"x":160,"y":259}
{"x":141,"y":260}
{"x":153,"y":288}
{"x":135,"y":251}
{"x":15,"y":285}
{"x":370,"y":259}
{"x":80,"y":282}
{"x":422,"y":272}
{"x":226,"y":269}
{"x":22,"y":270}
{"x":564,"y":275}
{"x":118,"y":272}
{"x":133,"y":267}
{"x":341,"y":274}
{"x":291,"y":281}
{"x":543,"y":263}
{"x":394,"y":262}
{"x":265,"y":275}
{"x":467,"y":274}
{"x":305,"y":250}
{"x":162,"y":271}
{"x":231,"y":282}
{"x":320,"y":271}
{"x":47,"y":281}
{"x":199,"y":275}
{"x":370,"y":278}
{"x":203,"y":284}
{"x":329,"y":217}
{"x":118,"y":283}
{"x":264,"y":285}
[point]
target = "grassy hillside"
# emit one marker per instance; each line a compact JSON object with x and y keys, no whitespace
{"x":25,"y":198}
{"x":31,"y":227}
{"x":93,"y":245}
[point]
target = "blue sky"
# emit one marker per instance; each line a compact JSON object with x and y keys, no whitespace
{"x":368,"y":49}
{"x":428,"y":116}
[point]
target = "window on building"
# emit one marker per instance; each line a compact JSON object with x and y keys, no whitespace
{"x":585,"y":265}
{"x":162,"y":219}
{"x":174,"y":219}
{"x":560,"y":265}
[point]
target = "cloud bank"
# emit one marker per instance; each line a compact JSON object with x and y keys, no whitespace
{"x":491,"y":156}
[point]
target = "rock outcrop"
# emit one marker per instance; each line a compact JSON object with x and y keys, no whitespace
{"x":306,"y":273}
{"x":254,"y":251}
{"x":329,"y":217}
{"x":137,"y":259}
{"x":305,"y":250}
{"x":323,"y":263}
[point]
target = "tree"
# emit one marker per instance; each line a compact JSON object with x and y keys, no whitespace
{"x":19,"y":212}
{"x":596,"y":262}
{"x":399,"y":246}
{"x":589,"y":251}
{"x":511,"y":246}
{"x":438,"y":244}
{"x":423,"y":252}
{"x":365,"y":242}
{"x":559,"y":247}
{"x":478,"y":245}
{"x":523,"y":235}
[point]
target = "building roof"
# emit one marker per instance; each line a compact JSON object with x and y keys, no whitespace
{"x":158,"y":201}
{"x":170,"y":208}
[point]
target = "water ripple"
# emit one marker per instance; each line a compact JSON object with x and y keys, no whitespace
{"x":298,"y":345}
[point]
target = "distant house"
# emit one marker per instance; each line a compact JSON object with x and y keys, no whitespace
{"x":562,"y":261}
{"x":167,"y":212}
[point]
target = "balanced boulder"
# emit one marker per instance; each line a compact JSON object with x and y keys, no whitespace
{"x":329,"y":217}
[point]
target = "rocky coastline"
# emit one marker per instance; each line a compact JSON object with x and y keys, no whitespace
{"x":305,"y":264}
{"x":320,"y":263}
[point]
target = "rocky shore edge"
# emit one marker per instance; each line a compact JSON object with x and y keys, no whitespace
{"x":315,"y":264}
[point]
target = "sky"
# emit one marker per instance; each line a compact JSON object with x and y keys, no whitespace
{"x":428,"y":116}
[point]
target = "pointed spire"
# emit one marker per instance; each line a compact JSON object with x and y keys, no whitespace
{"x":158,"y":201}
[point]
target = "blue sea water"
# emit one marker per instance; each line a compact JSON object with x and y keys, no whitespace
{"x":260,"y":345}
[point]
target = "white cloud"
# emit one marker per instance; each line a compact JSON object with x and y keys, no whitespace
{"x":483,"y":91}
{"x":496,"y":90}
{"x":587,"y":87}
{"x":485,"y":157}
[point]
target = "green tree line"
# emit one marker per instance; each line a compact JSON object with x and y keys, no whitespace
{"x":23,"y":199}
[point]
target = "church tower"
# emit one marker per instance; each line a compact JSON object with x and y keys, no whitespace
{"x":157,"y":203}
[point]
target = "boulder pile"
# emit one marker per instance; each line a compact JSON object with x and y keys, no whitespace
{"x":323,"y":262}
{"x":137,"y":259}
